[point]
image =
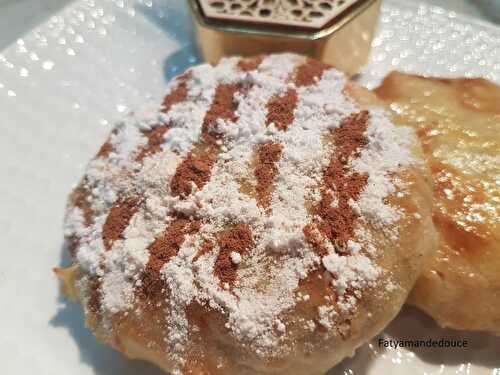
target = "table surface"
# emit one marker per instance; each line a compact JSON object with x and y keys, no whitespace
{"x":17,"y":17}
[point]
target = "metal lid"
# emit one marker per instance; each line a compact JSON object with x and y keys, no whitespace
{"x":305,"y":19}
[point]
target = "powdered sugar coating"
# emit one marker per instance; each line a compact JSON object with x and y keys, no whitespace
{"x":225,"y":203}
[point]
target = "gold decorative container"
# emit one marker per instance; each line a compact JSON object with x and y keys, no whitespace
{"x":338,"y":32}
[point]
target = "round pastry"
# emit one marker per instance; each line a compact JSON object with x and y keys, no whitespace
{"x":458,"y":123}
{"x":267,"y":218}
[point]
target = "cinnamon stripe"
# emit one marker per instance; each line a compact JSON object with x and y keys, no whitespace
{"x":118,"y":219}
{"x":177,"y":95}
{"x":337,"y":223}
{"x":197,"y":167}
{"x":155,"y":137}
{"x":280,"y":109}
{"x":223,"y":107}
{"x":161,"y":251}
{"x":205,"y":248}
{"x":80,"y":199}
{"x":235,"y":239}
{"x":107,"y":147}
{"x":280,"y":112}
{"x":310,"y":72}
{"x":268,"y":155}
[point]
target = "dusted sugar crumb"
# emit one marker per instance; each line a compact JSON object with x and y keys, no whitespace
{"x":224,"y":200}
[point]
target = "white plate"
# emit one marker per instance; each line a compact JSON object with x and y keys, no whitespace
{"x":65,"y":82}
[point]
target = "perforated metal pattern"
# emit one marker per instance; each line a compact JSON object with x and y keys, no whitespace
{"x":306,"y":13}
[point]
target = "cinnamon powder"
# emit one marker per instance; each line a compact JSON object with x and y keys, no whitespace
{"x":155,"y":140}
{"x":205,"y":248}
{"x":179,"y":94}
{"x":336,"y":222}
{"x":223,"y":107}
{"x":268,"y":155}
{"x":156,"y":134}
{"x":194,"y":169}
{"x":197,"y":167}
{"x":107,"y":147}
{"x":118,"y":219}
{"x":309,"y":72}
{"x":280,"y":109}
{"x":161,"y":250}
{"x":79,"y":198}
{"x":235,"y":239}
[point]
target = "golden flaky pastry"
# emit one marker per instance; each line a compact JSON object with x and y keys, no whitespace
{"x":458,"y":123}
{"x":265,"y":220}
